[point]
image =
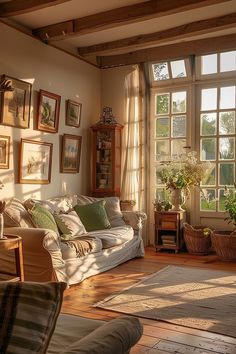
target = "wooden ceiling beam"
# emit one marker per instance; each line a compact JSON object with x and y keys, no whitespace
{"x":19,"y":7}
{"x":123,"y":16}
{"x":172,"y":51}
{"x":180,"y":32}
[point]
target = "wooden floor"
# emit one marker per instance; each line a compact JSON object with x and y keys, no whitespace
{"x":159,"y":337}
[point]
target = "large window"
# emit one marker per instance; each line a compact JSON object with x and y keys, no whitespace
{"x":204,"y":105}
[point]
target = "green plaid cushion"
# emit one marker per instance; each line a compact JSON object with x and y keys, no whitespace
{"x":28,"y":314}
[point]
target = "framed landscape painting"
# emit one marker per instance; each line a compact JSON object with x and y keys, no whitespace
{"x":71,"y":151}
{"x":4,"y":151}
{"x":15,"y":104}
{"x":35,"y":162}
{"x":48,"y":111}
{"x":73,"y":113}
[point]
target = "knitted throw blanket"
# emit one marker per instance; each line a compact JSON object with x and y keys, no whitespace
{"x":83,"y":245}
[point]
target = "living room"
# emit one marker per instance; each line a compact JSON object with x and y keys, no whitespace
{"x":122,"y":73}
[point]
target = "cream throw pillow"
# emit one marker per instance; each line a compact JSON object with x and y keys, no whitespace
{"x":70,"y":225}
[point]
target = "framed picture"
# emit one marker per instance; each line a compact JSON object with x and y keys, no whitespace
{"x":4,"y":151}
{"x":15,"y":104}
{"x":73,"y":113}
{"x":48,"y":111}
{"x":71,"y":151}
{"x":35,"y":162}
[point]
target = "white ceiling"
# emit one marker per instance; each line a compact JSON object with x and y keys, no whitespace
{"x":80,"y":8}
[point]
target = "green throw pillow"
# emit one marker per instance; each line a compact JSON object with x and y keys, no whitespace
{"x":43,"y":218}
{"x":93,"y":216}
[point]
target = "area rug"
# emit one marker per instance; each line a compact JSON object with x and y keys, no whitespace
{"x":197,"y":298}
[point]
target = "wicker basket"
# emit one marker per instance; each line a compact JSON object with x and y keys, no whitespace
{"x":224,"y":243}
{"x":195,"y":241}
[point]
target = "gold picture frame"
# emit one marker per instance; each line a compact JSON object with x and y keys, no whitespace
{"x":35,"y":162}
{"x":48,"y":111}
{"x":4,"y":151}
{"x":71,"y":151}
{"x":15,"y":103}
{"x":73,"y":113}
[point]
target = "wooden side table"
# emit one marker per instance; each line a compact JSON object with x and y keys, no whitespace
{"x":169,"y":230}
{"x":13,"y":242}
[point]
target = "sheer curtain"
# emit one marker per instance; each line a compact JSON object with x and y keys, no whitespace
{"x":133,"y":139}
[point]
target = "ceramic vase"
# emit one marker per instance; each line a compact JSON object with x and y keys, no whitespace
{"x":177,"y":199}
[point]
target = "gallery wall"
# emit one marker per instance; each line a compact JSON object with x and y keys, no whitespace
{"x":47,"y":68}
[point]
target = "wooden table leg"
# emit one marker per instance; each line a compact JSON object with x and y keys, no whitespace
{"x":19,"y":262}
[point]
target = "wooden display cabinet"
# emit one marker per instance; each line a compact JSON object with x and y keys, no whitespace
{"x":106,"y":160}
{"x":169,"y":230}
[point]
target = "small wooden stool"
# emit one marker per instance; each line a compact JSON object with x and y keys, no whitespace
{"x":13,"y":242}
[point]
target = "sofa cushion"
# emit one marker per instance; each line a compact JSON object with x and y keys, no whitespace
{"x":93,"y":216}
{"x":114,"y":236}
{"x":16,"y":215}
{"x":28,"y":314}
{"x":112,"y":207}
{"x":62,"y":204}
{"x":43,"y":218}
{"x":69,"y":225}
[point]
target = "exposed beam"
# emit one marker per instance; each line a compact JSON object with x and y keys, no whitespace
{"x":19,"y":7}
{"x":120,"y":16}
{"x":180,"y":32}
{"x":172,"y":51}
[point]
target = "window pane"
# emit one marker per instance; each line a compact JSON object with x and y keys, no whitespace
{"x":178,"y":126}
{"x":209,"y":99}
{"x":162,"y":150}
{"x":228,"y":61}
{"x":177,"y":147}
{"x":162,"y":103}
{"x":208,"y":200}
{"x":210,"y":178}
{"x":162,"y":127}
{"x":179,"y":102}
{"x":227,"y":123}
{"x":160,"y":71}
{"x":226,"y":174}
{"x":227,"y":97}
{"x":158,"y":178}
{"x":221,"y":200}
{"x":208,"y":124}
{"x":226,"y":148}
{"x":162,"y":194}
{"x":208,"y":149}
{"x":178,"y":68}
{"x":209,"y":64}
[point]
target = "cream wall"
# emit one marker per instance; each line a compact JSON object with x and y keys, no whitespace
{"x":52,"y":70}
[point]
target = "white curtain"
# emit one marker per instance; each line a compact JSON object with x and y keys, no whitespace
{"x":133,"y":139}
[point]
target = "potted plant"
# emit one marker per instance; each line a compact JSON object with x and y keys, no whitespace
{"x":162,"y":205}
{"x":224,"y":242}
{"x":180,"y":174}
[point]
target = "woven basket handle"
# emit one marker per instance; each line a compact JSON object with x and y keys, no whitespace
{"x":187,"y":226}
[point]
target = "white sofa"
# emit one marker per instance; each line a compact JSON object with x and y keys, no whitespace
{"x":47,"y":258}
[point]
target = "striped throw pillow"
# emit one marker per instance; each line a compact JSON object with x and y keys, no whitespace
{"x":28,"y":314}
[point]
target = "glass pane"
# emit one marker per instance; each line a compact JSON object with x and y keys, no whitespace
{"x":208,"y":124}
{"x":208,"y":200}
{"x":178,"y":126}
{"x":228,"y":61}
{"x":162,"y":103}
{"x":226,"y":148}
{"x":221,"y":200}
{"x":160,"y":71}
{"x":158,"y":178}
{"x":227,"y":97}
{"x":209,"y":99}
{"x":179,"y":102}
{"x":208,"y":149}
{"x":226,"y":174}
{"x":210,"y":178}
{"x":178,"y":68}
{"x":209,"y":64}
{"x":162,"y":194}
{"x":162,"y":127}
{"x":162,"y":150}
{"x":177,"y":147}
{"x":227,"y":123}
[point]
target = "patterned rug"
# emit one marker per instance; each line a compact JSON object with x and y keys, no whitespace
{"x":197,"y":298}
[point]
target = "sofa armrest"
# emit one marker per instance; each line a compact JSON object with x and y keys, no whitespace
{"x":116,"y":336}
{"x":41,"y":253}
{"x":135,"y":219}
